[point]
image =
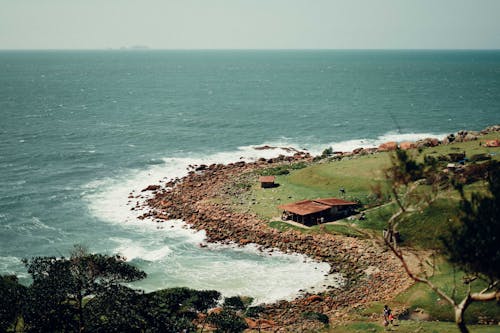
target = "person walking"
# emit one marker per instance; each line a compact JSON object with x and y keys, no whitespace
{"x":388,"y":317}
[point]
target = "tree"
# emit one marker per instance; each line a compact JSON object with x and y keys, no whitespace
{"x":12,"y":295}
{"x":85,"y":293}
{"x":473,"y":244}
{"x":227,"y":321}
{"x":116,"y":309}
{"x":234,"y":303}
{"x":230,"y":318}
{"x":173,"y":310}
{"x":47,"y":308}
{"x":60,"y":285}
{"x":404,"y":176}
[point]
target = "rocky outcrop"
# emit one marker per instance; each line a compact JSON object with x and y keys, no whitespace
{"x":151,"y":188}
{"x":388,"y":146}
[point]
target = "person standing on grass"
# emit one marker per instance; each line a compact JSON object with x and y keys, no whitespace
{"x":388,"y":317}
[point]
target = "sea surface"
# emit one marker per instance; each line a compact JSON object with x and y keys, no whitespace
{"x":81,"y":130}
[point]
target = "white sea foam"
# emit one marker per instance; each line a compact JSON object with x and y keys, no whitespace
{"x":109,"y":198}
{"x":345,"y":145}
{"x":132,"y":250}
{"x":9,"y":265}
{"x":36,"y":223}
{"x":350,"y":145}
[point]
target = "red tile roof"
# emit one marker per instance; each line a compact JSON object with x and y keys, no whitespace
{"x":266,"y":179}
{"x":335,"y":202}
{"x":304,"y":207}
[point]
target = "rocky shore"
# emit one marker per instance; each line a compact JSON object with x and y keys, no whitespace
{"x":202,"y":199}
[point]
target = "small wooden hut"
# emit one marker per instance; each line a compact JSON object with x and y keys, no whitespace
{"x":267,"y":181}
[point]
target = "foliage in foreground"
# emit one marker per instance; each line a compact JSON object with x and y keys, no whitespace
{"x":473,"y":244}
{"x":474,"y":241}
{"x":84,"y":293}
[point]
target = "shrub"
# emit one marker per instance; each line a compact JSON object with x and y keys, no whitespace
{"x":321,"y":317}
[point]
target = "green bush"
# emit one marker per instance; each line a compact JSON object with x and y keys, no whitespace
{"x":321,"y":317}
{"x":227,"y":321}
{"x":282,"y":169}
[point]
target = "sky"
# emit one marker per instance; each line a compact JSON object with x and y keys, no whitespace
{"x":250,"y":24}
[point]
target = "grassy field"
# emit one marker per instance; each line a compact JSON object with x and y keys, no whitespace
{"x":409,"y":326}
{"x":316,"y":181}
{"x":449,"y":280}
{"x":357,"y":175}
{"x":420,"y":228}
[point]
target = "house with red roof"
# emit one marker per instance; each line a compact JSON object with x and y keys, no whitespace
{"x":311,"y":212}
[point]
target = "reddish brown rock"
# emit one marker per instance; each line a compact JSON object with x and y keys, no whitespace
{"x":407,"y":145}
{"x":388,"y":146}
{"x":151,"y":188}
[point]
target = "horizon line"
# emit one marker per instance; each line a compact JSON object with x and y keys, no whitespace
{"x":146,"y":48}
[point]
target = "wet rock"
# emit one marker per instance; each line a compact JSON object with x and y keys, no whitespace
{"x":151,"y":188}
{"x":201,"y":167}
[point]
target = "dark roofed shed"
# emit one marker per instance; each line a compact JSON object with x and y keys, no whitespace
{"x":267,"y":181}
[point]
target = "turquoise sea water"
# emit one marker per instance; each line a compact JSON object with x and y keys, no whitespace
{"x":80,"y":130}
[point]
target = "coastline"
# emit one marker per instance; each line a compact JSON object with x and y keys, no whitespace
{"x":202,"y":200}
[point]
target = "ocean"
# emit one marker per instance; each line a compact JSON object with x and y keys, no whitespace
{"x":81,"y":130}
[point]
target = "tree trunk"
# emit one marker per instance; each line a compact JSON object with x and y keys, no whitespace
{"x":459,"y":319}
{"x":462,"y":328}
{"x":80,"y":313}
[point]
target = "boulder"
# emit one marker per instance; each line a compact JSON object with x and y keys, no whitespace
{"x":151,"y":188}
{"x":313,"y":298}
{"x":201,"y":167}
{"x":388,"y":146}
{"x":407,"y":145}
{"x":357,"y":151}
{"x":492,"y":143}
{"x":252,"y":324}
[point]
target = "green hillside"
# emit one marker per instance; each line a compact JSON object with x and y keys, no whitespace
{"x":420,"y":228}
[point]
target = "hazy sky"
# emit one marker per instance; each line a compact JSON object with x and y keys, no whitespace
{"x":250,"y":24}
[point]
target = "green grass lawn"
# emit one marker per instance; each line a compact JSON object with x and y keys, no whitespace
{"x":448,"y":279}
{"x":339,"y":229}
{"x":321,"y":180}
{"x":357,"y":175}
{"x":283,"y":226}
{"x":471,"y":148}
{"x":409,"y":326}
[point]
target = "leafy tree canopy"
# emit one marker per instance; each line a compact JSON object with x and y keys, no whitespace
{"x":474,"y":242}
{"x":12,"y":295}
